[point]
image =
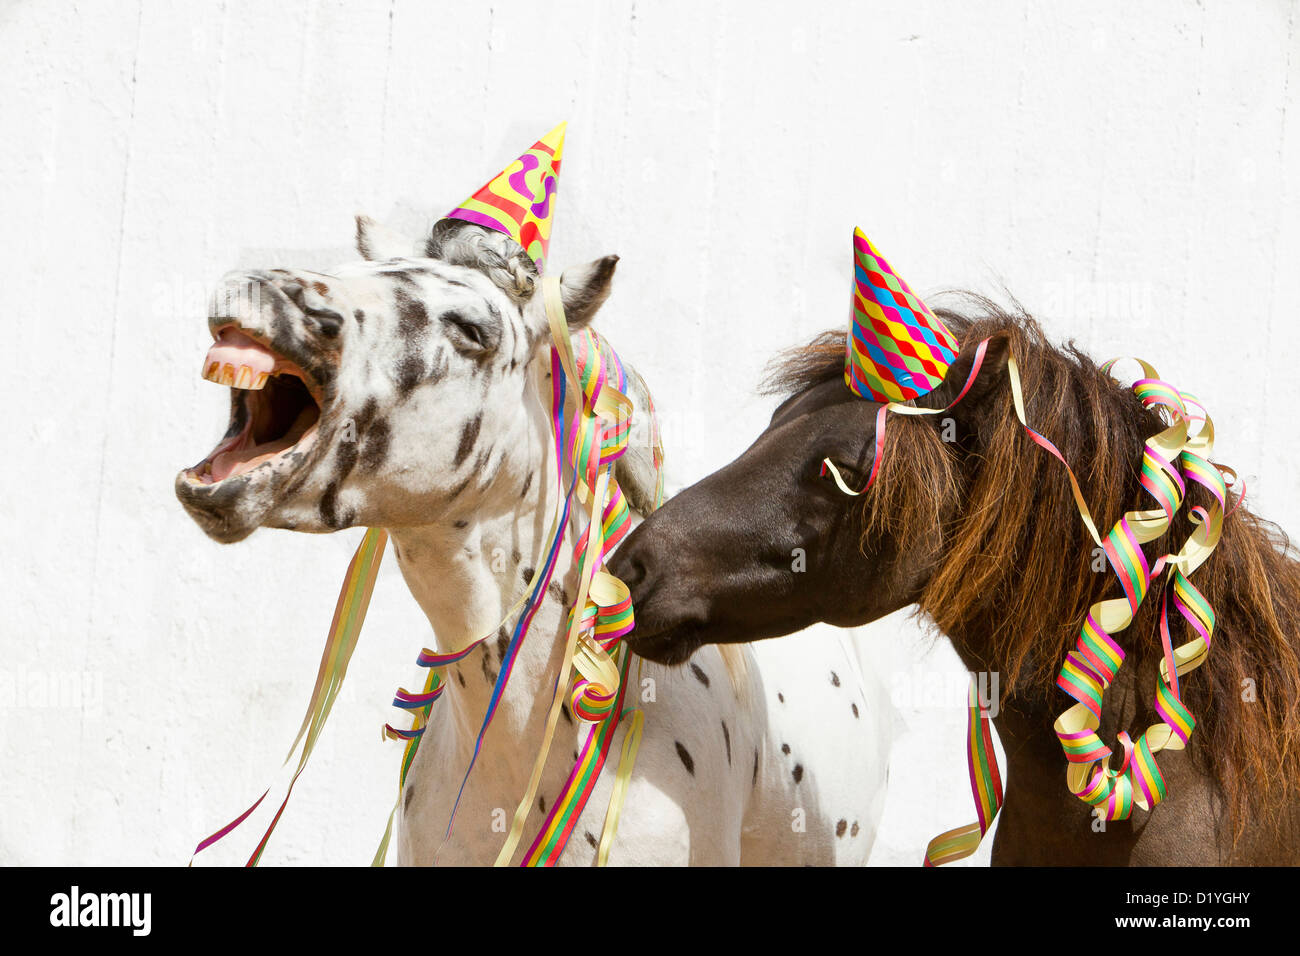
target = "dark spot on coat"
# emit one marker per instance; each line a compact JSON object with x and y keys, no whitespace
{"x":439,"y":367}
{"x":840,"y":827}
{"x":726,"y":738}
{"x":329,"y":503}
{"x":503,"y":644}
{"x":785,"y":749}
{"x":687,"y":762}
{"x":412,"y":316}
{"x":345,"y":459}
{"x":366,"y":416}
{"x":595,"y":844}
{"x":461,"y":522}
{"x":527,"y":574}
{"x":854,"y":831}
{"x":753,"y":781}
{"x":375,"y":450}
{"x":555,"y":590}
{"x":410,"y":371}
{"x":461,"y":487}
{"x":488,"y":672}
{"x":412,"y":320}
{"x":541,"y":803}
{"x":468,"y":436}
{"x":835,"y":679}
{"x":359,"y":316}
{"x":781,"y":698}
{"x":700,"y":676}
{"x":797,"y":773}
{"x":528,"y":483}
{"x":460,"y":677}
{"x":855,"y":709}
{"x":514,"y":555}
{"x":485,"y":468}
{"x":320,"y":288}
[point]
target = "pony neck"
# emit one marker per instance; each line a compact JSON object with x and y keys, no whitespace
{"x":468,"y":575}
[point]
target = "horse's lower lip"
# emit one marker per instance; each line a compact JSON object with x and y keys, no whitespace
{"x":671,"y":645}
{"x":201,"y":473}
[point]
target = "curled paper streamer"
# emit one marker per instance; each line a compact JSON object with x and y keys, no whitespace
{"x":1170,"y":459}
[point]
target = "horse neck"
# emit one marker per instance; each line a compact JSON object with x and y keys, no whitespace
{"x":467,"y":573}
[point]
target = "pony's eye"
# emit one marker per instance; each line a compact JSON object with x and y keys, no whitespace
{"x":848,"y":474}
{"x":471,"y":333}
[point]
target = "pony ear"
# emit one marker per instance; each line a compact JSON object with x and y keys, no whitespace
{"x":584,"y":289}
{"x":376,"y":241}
{"x":991,"y":373}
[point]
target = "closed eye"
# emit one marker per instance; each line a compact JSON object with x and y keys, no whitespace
{"x":851,"y":475}
{"x":472,"y":334}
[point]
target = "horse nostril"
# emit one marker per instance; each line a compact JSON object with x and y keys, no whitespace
{"x":629,"y":569}
{"x":326,"y":320}
{"x":294,"y":292}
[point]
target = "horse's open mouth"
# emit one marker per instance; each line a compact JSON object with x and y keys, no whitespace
{"x":274,"y":409}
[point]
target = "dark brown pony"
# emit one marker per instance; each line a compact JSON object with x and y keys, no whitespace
{"x":975,"y":525}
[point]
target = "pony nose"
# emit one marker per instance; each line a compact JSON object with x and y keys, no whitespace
{"x":628,"y":567}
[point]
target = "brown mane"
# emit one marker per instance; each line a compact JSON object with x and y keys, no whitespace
{"x":1016,"y":562}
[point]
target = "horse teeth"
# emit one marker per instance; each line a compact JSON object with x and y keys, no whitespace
{"x":238,"y":361}
{"x":243,"y":376}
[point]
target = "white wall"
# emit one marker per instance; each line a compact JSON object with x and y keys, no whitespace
{"x":1130,"y":172}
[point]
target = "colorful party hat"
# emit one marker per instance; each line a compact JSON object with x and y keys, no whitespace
{"x":897,"y":348}
{"x":518,"y":201}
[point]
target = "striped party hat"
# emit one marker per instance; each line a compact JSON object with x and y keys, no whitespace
{"x":897,"y":348}
{"x":519,"y":200}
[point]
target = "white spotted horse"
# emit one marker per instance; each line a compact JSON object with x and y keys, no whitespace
{"x":408,"y":391}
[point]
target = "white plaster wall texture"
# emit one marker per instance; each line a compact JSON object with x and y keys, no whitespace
{"x":1129,"y":173}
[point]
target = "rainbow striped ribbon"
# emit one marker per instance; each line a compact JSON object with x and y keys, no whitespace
{"x":1170,"y":458}
{"x":986,"y":787}
{"x":604,"y":622}
{"x":558,"y":826}
{"x":345,"y":629}
{"x":602,"y":613}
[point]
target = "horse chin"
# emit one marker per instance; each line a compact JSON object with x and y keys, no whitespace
{"x":227,"y":511}
{"x":673,"y":646}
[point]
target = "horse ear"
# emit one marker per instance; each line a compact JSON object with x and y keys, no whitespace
{"x":992,"y":372}
{"x":584,"y":289}
{"x":376,"y":241}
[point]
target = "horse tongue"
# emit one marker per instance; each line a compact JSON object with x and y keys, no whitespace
{"x":238,"y":361}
